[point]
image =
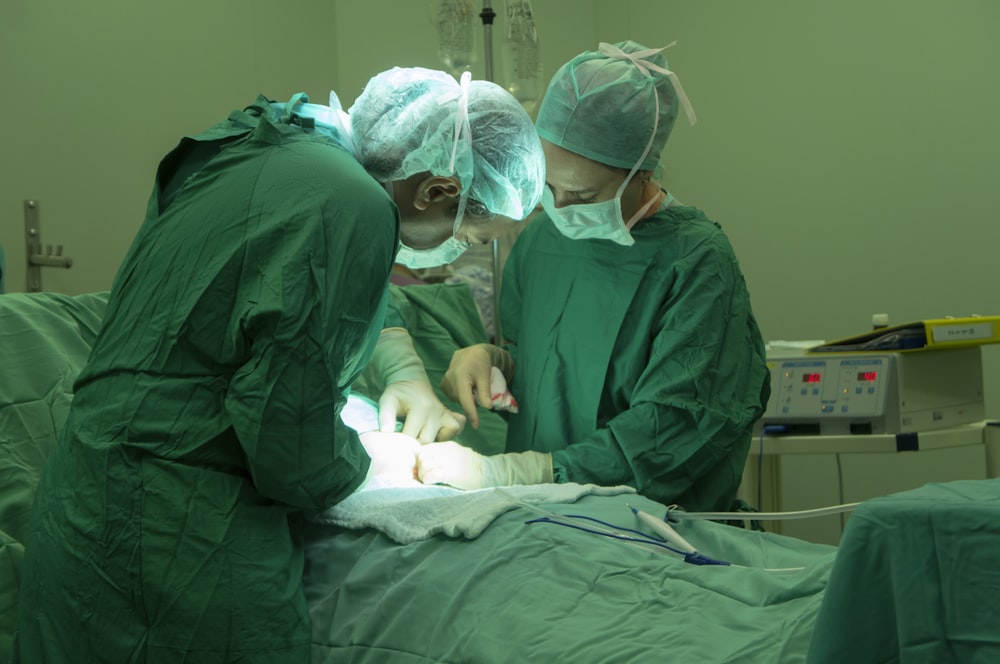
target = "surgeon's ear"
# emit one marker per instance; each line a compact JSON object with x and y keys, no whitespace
{"x":435,"y":188}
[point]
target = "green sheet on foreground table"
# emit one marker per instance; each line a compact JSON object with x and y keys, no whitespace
{"x":540,"y":592}
{"x":916,"y":579}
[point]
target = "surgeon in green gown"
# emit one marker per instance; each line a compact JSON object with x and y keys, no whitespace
{"x":167,"y":524}
{"x":633,"y":352}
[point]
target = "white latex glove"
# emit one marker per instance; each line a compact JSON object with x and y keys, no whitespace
{"x":408,"y":393}
{"x":458,"y":466}
{"x":394,"y":456}
{"x":426,"y":418}
{"x":467,"y":380}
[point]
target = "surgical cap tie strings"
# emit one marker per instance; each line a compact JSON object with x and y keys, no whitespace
{"x":638,"y":59}
{"x":462,"y":126}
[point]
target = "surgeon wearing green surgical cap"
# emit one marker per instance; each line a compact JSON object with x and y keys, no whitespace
{"x":167,"y":525}
{"x":632,"y":350}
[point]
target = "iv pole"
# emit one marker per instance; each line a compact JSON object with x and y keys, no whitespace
{"x":488,"y":15}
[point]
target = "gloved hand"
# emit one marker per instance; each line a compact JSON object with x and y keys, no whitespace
{"x":408,"y":392}
{"x":394,"y":456}
{"x":427,"y":419}
{"x":467,"y":380}
{"x":458,"y":466}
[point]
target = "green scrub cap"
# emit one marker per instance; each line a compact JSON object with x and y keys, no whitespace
{"x":413,"y":120}
{"x":616,"y":105}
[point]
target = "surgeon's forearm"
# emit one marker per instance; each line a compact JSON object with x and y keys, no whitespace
{"x":395,"y":359}
{"x":517,"y":468}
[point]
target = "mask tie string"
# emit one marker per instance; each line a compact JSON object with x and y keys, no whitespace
{"x":638,"y":58}
{"x":462,"y":128}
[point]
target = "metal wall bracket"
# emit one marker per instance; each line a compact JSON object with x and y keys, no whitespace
{"x":36,"y":259}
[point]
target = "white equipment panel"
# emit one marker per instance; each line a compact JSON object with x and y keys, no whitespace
{"x":866,"y":393}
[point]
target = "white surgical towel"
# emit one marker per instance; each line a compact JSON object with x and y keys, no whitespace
{"x":411,"y":512}
{"x":499,"y":393}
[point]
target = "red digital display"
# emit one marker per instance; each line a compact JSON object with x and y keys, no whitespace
{"x":867,"y":376}
{"x":811,"y":377}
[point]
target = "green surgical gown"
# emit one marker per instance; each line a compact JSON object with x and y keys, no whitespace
{"x":639,"y":365}
{"x":167,"y":523}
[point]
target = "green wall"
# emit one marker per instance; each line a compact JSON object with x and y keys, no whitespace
{"x":95,"y":93}
{"x":848,"y":148}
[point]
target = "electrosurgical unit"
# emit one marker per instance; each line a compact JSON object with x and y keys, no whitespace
{"x":873,"y":392}
{"x":878,"y":413}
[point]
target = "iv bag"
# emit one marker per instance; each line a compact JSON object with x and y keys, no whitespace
{"x":521,"y":56}
{"x":455,"y":23}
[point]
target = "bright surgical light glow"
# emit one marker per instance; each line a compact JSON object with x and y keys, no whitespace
{"x":360,"y":413}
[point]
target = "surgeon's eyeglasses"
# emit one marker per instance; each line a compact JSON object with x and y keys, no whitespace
{"x":474,"y":208}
